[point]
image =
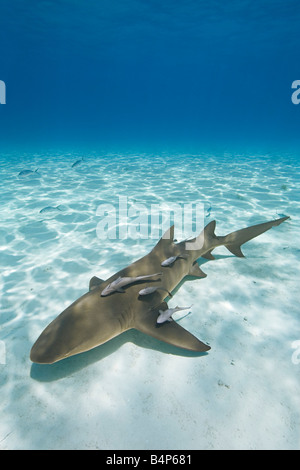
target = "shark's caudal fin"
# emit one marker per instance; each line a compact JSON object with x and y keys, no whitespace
{"x":233,"y":241}
{"x":170,"y":332}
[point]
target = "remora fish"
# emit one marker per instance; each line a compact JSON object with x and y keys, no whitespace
{"x":171,"y":260}
{"x":120,"y":282}
{"x":152,"y":289}
{"x":93,"y":320}
{"x":166,"y":315}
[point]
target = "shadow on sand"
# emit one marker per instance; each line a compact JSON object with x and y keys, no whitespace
{"x":70,"y":365}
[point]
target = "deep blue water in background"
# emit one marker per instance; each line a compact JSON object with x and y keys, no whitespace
{"x":148,"y":75}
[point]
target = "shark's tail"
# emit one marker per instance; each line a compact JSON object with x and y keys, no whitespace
{"x":233,"y":241}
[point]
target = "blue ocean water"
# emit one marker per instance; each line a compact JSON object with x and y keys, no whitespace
{"x":155,"y":105}
{"x":147,"y":75}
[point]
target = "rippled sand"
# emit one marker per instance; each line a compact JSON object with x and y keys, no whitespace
{"x":134,"y":392}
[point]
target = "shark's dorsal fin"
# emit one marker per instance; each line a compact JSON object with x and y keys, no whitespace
{"x":168,"y":235}
{"x":169,"y":332}
{"x":95,"y":282}
{"x":166,"y":240}
{"x":203,"y":239}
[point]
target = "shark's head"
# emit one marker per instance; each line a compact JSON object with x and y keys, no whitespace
{"x":62,"y":337}
{"x":84,"y":325}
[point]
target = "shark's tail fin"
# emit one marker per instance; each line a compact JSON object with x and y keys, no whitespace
{"x":233,"y":241}
{"x":207,"y":241}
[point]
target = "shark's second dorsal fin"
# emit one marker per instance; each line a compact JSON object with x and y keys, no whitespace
{"x":95,"y":282}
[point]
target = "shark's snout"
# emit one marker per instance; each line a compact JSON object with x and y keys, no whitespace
{"x":39,"y":355}
{"x":44,"y":351}
{"x":54,"y":342}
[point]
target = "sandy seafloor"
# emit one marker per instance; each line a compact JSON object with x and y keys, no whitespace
{"x":135,"y":392}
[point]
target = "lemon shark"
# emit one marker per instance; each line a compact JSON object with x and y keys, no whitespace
{"x":94,"y":319}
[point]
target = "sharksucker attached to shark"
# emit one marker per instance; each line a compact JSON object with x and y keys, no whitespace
{"x":171,"y":260}
{"x":151,"y":289}
{"x":118,"y":284}
{"x":94,"y":319}
{"x":166,"y":315}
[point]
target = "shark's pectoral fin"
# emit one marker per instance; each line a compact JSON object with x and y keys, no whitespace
{"x":196,"y":271}
{"x":169,"y":332}
{"x":159,"y":308}
{"x":95,"y":282}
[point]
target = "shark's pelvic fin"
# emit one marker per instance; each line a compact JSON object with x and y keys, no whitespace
{"x":196,"y":271}
{"x":208,"y":255}
{"x":95,"y":282}
{"x":169,"y":332}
